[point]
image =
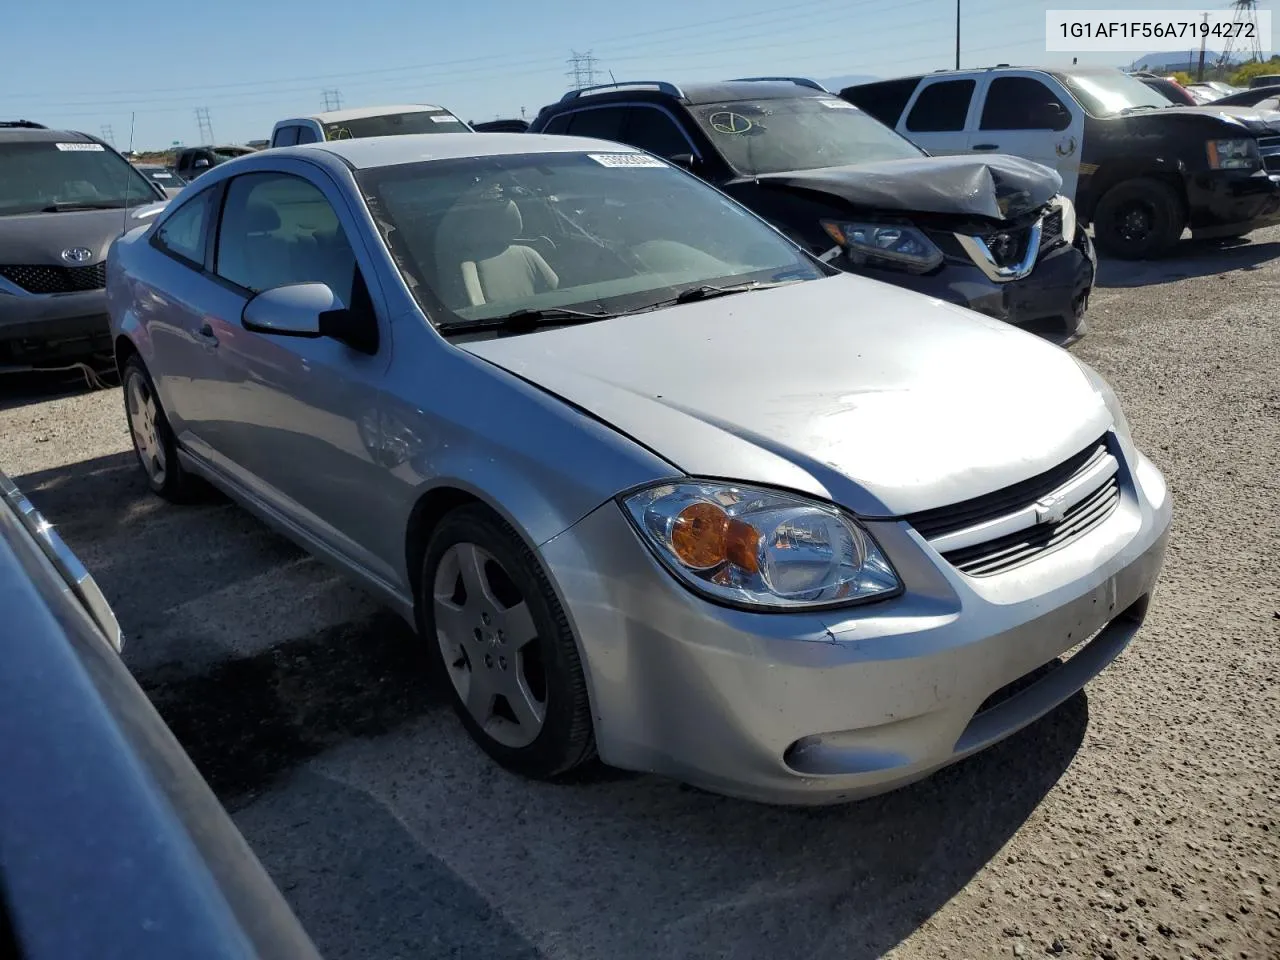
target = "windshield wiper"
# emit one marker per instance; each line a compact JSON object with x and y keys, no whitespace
{"x":708,"y":291}
{"x":88,"y":205}
{"x":520,"y":321}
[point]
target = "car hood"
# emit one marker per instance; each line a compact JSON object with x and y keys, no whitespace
{"x":1255,"y":120}
{"x":39,"y":238}
{"x":997,"y":187}
{"x":879,"y":399}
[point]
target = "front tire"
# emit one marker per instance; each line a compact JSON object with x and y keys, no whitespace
{"x":490,"y":617}
{"x":153,"y":440}
{"x":1139,"y":219}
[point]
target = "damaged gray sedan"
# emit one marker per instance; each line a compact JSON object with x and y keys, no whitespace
{"x":663,"y":490}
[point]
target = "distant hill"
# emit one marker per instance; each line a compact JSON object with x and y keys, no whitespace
{"x":836,"y":84}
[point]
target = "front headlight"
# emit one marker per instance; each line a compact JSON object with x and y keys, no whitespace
{"x":1068,"y":210}
{"x":899,"y":244}
{"x":1240,"y":154}
{"x":759,"y":548}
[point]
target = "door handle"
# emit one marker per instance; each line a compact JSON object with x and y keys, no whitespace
{"x":986,"y":146}
{"x":208,"y":336}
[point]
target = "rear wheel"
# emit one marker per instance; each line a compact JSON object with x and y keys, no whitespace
{"x":1139,"y":219}
{"x":489,"y":613}
{"x":153,"y":439}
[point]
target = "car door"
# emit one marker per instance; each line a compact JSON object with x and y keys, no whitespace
{"x":294,"y":419}
{"x":1030,"y":115}
{"x":937,"y":117}
{"x":172,"y":305}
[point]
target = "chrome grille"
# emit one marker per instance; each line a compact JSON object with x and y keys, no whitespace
{"x":51,"y":279}
{"x":1269,"y":147}
{"x":1002,"y":530}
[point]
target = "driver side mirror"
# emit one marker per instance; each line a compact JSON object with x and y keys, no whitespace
{"x":201,"y":164}
{"x":310,"y":310}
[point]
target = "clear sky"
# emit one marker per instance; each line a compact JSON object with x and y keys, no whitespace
{"x":84,"y":64}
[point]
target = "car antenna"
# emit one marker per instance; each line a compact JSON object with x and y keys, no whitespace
{"x":612,"y":79}
{"x":124,"y":214}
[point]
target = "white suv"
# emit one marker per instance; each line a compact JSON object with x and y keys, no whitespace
{"x":365,"y":122}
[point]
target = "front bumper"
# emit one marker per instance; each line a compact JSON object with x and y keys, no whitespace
{"x":826,"y":707}
{"x":1050,"y":302}
{"x":1226,"y":203}
{"x":43,"y":329}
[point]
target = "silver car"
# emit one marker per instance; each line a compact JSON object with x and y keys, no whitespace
{"x":655,"y":484}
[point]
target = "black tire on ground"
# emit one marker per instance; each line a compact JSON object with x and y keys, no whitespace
{"x":566,"y":740}
{"x":170,"y":481}
{"x":1139,"y":219}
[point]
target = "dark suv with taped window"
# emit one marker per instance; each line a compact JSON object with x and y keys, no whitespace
{"x":992,"y":233}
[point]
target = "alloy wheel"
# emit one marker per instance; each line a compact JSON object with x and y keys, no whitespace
{"x":489,"y":643}
{"x":140,"y":403}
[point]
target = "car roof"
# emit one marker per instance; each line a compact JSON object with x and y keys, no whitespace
{"x":359,"y":113}
{"x":39,"y":135}
{"x":365,"y":153}
{"x":691,"y":93}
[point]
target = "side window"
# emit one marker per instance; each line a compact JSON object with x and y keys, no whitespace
{"x":941,"y":107}
{"x":603,"y":123}
{"x":285,"y":137}
{"x":183,"y":233}
{"x":884,"y":101}
{"x":650,"y":129}
{"x":558,"y":124}
{"x":1023,"y":103}
{"x":278,"y":229}
{"x":306,"y":135}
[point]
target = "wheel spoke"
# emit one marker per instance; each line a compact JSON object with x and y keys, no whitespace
{"x":517,"y":626}
{"x":471,"y":561}
{"x":452,"y":622}
{"x":480,"y":694}
{"x":528,"y":711}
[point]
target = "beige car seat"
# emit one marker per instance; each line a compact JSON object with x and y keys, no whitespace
{"x":477,"y":261}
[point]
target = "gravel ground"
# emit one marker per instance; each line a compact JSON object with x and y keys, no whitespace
{"x":1139,"y":820}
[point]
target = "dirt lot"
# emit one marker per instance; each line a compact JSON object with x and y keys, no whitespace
{"x":1139,"y":820}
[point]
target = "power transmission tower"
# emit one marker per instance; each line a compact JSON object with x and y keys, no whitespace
{"x":1244,"y":33}
{"x":332,"y":98}
{"x":582,"y":69}
{"x":108,"y":134}
{"x":206,"y":125}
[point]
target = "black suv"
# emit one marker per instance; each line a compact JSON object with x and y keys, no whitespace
{"x":993,"y":233}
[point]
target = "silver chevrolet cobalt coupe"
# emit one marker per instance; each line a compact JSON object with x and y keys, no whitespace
{"x":655,"y":485}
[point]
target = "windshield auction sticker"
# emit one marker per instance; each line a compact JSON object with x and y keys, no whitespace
{"x":625,"y":160}
{"x":1140,"y":31}
{"x":79,"y":147}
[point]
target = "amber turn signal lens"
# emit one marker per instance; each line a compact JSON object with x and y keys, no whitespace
{"x":704,"y":536}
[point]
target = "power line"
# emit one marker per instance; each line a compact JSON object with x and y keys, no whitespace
{"x":332,"y":98}
{"x":582,"y":69}
{"x":108,"y":134}
{"x":206,"y":125}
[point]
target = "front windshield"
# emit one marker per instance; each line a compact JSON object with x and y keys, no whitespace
{"x":486,"y":237}
{"x":391,"y":124}
{"x":800,"y":133}
{"x":46,"y":175}
{"x":1111,"y":93}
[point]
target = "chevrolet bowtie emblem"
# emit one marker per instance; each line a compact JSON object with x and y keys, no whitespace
{"x":1051,"y":509}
